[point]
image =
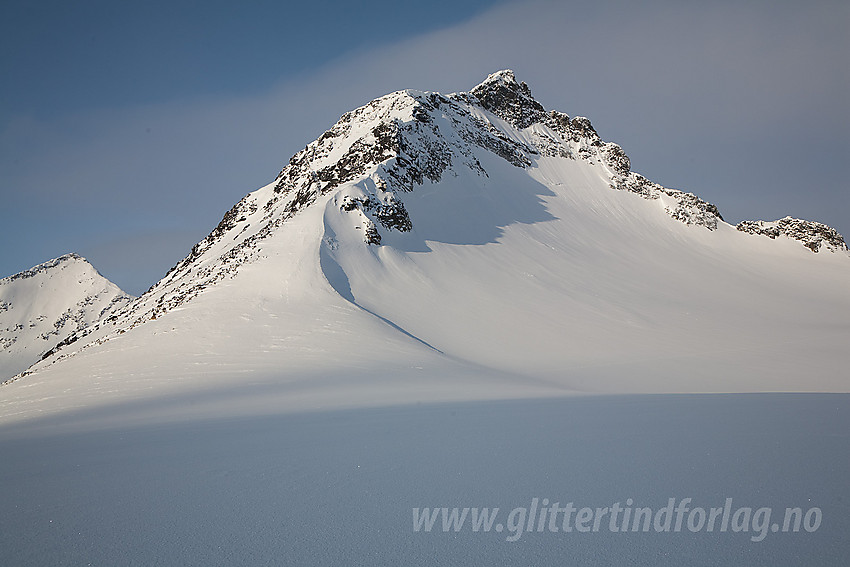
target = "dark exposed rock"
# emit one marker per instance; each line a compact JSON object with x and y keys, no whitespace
{"x":616,"y":158}
{"x":582,"y":130}
{"x":558,"y":121}
{"x":502,"y":95}
{"x":690,"y":209}
{"x":489,"y":137}
{"x":813,"y":235}
{"x":391,"y":214}
{"x":372,"y":235}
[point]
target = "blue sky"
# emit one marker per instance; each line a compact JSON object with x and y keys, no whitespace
{"x":128,"y":129}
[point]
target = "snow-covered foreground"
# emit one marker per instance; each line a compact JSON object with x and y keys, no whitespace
{"x":339,"y":487}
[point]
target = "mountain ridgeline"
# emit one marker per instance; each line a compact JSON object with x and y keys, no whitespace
{"x":375,"y":178}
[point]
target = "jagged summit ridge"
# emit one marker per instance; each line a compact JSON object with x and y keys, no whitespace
{"x":501,"y":94}
{"x":512,"y":101}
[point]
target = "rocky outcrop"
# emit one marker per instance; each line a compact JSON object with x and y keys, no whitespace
{"x":813,"y":235}
{"x":501,"y":94}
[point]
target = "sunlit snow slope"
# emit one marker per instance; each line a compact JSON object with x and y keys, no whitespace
{"x":466,"y":246}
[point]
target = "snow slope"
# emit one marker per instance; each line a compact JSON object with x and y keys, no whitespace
{"x":47,"y":304}
{"x":460,"y":247}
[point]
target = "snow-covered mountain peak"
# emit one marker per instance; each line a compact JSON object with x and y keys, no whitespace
{"x":62,"y":262}
{"x":68,"y":266}
{"x":505,"y":77}
{"x":49,"y":304}
{"x":413,"y":171}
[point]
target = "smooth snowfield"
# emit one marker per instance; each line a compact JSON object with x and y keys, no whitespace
{"x":338,"y":487}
